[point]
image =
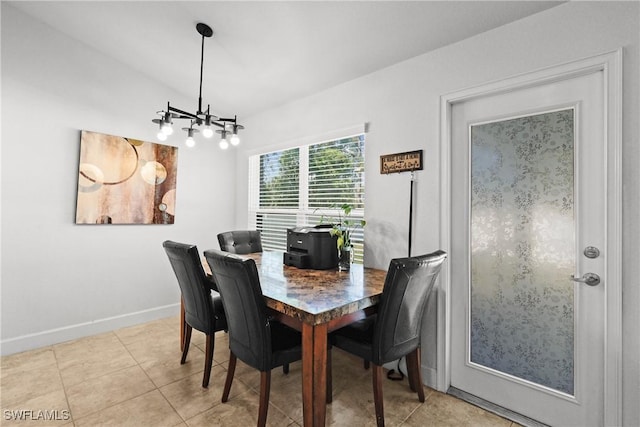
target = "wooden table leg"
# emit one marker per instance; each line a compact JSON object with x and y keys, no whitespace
{"x":314,"y":374}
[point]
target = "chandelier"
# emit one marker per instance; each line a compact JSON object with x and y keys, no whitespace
{"x":204,"y":121}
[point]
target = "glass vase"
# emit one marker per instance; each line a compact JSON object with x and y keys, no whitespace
{"x":345,"y":258}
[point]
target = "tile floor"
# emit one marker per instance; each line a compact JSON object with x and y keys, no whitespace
{"x":133,"y":377}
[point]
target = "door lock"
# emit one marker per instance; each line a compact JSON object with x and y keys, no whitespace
{"x":590,"y":279}
{"x":591,"y":252}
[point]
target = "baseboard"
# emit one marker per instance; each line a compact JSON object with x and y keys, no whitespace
{"x":429,"y":375}
{"x":58,"y":335}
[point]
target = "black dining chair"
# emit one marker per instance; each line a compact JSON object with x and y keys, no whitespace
{"x":254,"y":337}
{"x":243,"y":242}
{"x":203,"y":308}
{"x":240,"y":241}
{"x":394,"y":331}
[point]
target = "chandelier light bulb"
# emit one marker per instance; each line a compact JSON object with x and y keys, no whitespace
{"x":167,"y":129}
{"x":234,"y":140}
{"x":190,"y":142}
{"x":224,"y":144}
{"x":162,"y":136}
{"x":207,"y":132}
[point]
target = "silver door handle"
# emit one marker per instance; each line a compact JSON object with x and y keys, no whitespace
{"x":590,"y":279}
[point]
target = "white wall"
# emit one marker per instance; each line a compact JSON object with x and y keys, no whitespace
{"x":61,"y":280}
{"x":401,"y":104}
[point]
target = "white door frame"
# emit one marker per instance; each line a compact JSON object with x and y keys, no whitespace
{"x":611,"y":65}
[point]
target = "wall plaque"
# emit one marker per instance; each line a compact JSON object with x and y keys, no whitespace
{"x":401,"y":162}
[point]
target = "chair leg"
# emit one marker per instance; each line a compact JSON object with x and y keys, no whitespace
{"x":411,"y":373}
{"x":183,"y":324}
{"x":208,"y":360}
{"x":366,"y":364}
{"x":265,"y":388}
{"x":377,"y":394}
{"x":415,"y":377}
{"x":285,"y":368}
{"x":187,"y":341}
{"x":230,"y":371}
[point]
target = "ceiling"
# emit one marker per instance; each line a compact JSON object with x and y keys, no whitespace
{"x":267,"y":53}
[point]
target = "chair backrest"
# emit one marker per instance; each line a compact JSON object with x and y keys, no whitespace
{"x":240,"y":241}
{"x":239,"y":287}
{"x":196,"y":294}
{"x":408,"y":283}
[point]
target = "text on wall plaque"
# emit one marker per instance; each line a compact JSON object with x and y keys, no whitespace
{"x":401,"y":162}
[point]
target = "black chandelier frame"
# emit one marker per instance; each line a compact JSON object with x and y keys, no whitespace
{"x":199,"y":118}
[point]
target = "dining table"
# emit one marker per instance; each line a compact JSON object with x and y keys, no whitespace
{"x":315,"y":302}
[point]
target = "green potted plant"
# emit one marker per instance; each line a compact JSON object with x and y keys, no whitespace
{"x":342,"y":229}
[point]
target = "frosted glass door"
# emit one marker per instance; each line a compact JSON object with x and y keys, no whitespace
{"x":522,"y":248}
{"x":527,"y":199}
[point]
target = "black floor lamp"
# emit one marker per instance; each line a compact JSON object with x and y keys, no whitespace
{"x":413,"y":172}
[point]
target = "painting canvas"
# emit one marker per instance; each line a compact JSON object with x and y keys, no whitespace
{"x":125,"y":181}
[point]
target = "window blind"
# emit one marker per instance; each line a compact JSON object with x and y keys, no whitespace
{"x":306,"y":185}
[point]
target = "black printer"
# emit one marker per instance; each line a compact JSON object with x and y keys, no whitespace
{"x":311,"y":247}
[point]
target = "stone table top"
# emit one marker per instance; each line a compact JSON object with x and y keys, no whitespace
{"x":315,"y":296}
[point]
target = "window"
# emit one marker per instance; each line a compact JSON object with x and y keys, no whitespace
{"x":304,"y":186}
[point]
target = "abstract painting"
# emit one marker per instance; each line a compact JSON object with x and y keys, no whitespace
{"x":125,"y":181}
